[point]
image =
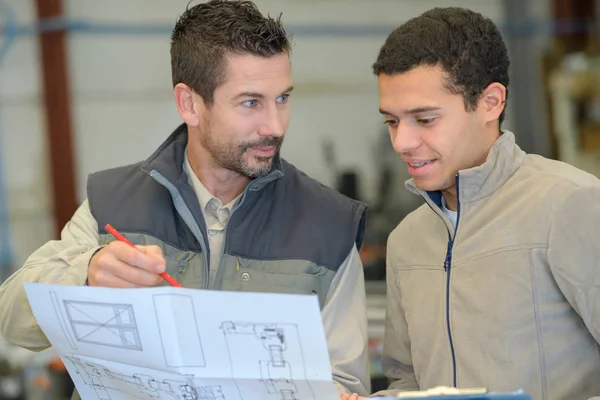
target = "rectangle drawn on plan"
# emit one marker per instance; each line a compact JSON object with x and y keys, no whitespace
{"x":177,"y":323}
{"x":104,"y":324}
{"x":61,"y":320}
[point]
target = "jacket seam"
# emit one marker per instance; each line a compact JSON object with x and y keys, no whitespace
{"x":287,"y":274}
{"x":419,"y":267}
{"x":574,"y":184}
{"x":455,"y":262}
{"x":233,"y":254}
{"x":505,"y":249}
{"x":141,"y":232}
{"x":538,"y":328}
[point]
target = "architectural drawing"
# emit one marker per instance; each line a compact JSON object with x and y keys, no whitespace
{"x":272,"y":345}
{"x":167,"y":343}
{"x":177,"y":325}
{"x":110,"y":385}
{"x":61,"y":320}
{"x":104,"y":324}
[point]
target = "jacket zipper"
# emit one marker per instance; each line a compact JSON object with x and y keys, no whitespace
{"x":447,"y":268}
{"x":192,"y":224}
{"x":204,"y":245}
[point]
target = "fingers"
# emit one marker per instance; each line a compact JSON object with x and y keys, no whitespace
{"x":103,"y":278}
{"x":350,"y":396}
{"x":112,"y":266}
{"x":143,"y":257}
{"x":120,"y":265}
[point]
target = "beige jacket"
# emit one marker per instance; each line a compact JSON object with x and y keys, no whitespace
{"x":512,"y":298}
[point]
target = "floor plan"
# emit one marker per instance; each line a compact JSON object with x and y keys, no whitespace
{"x":271,"y":345}
{"x":170,"y":343}
{"x":109,"y":384}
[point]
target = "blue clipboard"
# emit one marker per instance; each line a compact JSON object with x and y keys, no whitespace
{"x":518,"y":395}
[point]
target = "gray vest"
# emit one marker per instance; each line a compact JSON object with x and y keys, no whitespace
{"x":287,"y":234}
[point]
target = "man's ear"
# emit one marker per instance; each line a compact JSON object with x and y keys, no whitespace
{"x":492,"y":101}
{"x":189,"y":105}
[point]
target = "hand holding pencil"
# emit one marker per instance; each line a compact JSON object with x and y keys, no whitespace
{"x":120,"y":264}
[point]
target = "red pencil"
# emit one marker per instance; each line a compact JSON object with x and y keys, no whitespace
{"x":123,"y":239}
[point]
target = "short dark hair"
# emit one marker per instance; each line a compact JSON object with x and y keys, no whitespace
{"x":206,"y":33}
{"x":467,"y":46}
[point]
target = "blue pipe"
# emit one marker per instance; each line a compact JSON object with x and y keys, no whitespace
{"x":6,"y":251}
{"x":524,"y":27}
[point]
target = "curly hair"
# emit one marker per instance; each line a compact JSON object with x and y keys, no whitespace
{"x":206,"y":33}
{"x":467,"y":46}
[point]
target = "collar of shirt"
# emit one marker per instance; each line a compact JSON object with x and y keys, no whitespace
{"x":215,"y":213}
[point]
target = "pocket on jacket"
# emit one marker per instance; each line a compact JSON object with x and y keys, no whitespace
{"x":275,"y":276}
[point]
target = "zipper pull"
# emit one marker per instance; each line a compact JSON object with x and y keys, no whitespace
{"x":448,"y":255}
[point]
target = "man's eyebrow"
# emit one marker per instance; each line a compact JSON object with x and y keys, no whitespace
{"x":416,"y":110}
{"x":257,"y":95}
{"x":419,"y":110}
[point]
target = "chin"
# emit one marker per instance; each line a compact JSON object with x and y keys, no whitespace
{"x":428,"y":186}
{"x":256,"y":170}
{"x":262,"y":163}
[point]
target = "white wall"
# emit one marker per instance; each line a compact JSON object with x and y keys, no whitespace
{"x":22,"y":139}
{"x":122,"y":100}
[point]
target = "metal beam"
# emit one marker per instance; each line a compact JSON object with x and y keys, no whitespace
{"x":58,"y":114}
{"x":526,"y":113}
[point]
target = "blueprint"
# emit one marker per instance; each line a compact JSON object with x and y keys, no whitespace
{"x":185,"y":344}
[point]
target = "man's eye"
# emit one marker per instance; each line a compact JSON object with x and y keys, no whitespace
{"x":250,"y":103}
{"x":426,"y":121}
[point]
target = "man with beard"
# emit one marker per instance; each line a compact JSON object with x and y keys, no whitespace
{"x":215,"y":206}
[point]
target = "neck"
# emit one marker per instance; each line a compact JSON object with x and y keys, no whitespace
{"x":450,"y":198}
{"x":224,"y":184}
{"x":493,"y":134}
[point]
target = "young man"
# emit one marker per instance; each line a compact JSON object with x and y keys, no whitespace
{"x":495,"y":281}
{"x":215,"y":206}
